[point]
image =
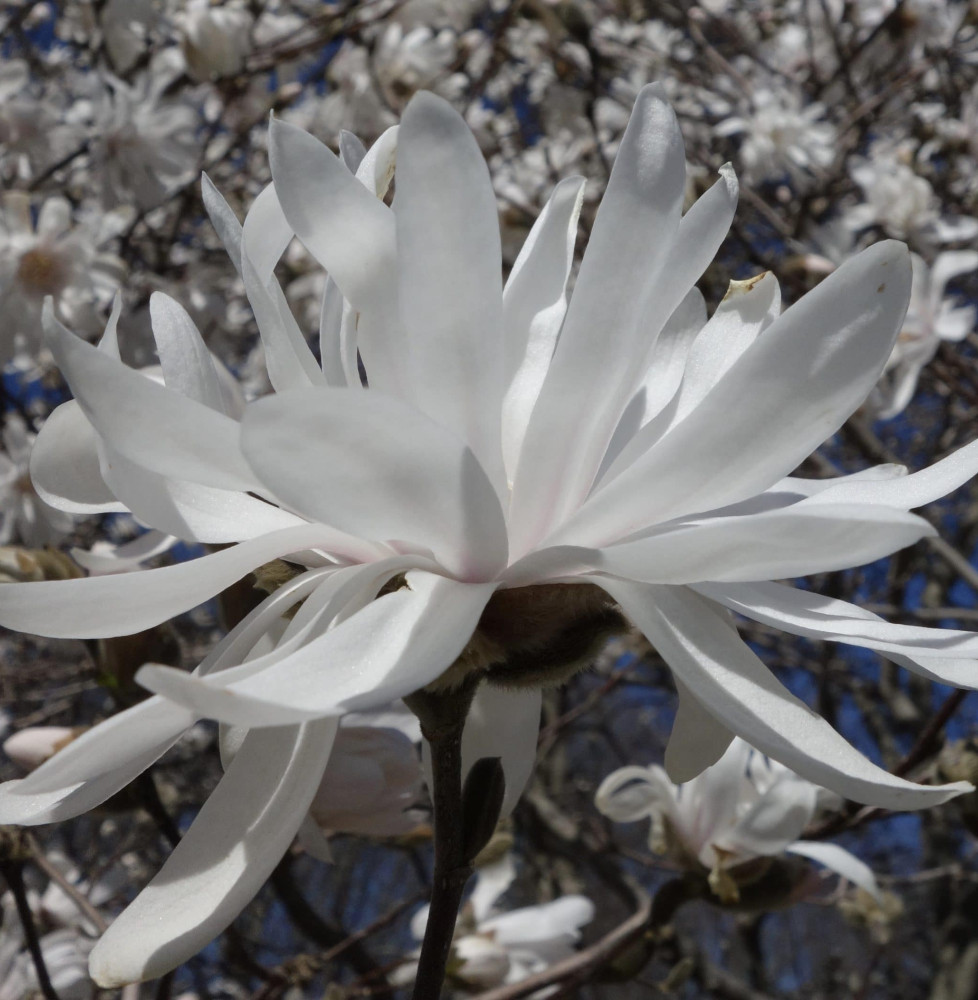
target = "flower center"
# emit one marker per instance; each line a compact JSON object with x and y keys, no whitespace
{"x":42,"y":272}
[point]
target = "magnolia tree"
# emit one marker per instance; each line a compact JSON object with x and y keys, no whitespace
{"x":488,"y":499}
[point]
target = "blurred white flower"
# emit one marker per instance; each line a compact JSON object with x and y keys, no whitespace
{"x":215,"y":39}
{"x":744,"y":807}
{"x":50,"y":254}
{"x":32,"y":746}
{"x":931,"y":318}
{"x":493,"y":946}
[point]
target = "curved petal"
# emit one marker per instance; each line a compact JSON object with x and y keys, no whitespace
{"x":839,"y":860}
{"x":64,"y":464}
{"x":783,"y":397}
{"x":504,"y":724}
{"x":450,"y":277}
{"x":633,"y":793}
{"x":123,"y":605}
{"x":396,"y":644}
{"x":705,"y":650}
{"x":236,"y":840}
{"x":147,"y":423}
{"x":774,"y":821}
{"x":697,"y":740}
{"x":377,"y":468}
{"x":223,"y":219}
{"x":606,"y":324}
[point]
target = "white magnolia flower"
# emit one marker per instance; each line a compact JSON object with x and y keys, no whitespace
{"x":50,"y":255}
{"x":215,"y":40}
{"x":931,"y":318}
{"x":494,"y":493}
{"x":744,"y":807}
{"x":493,"y":946}
{"x":781,"y":136}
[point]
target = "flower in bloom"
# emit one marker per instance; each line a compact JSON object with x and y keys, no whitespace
{"x":520,"y":469}
{"x":215,"y":40}
{"x":493,"y":946}
{"x":743,"y":808}
{"x":931,"y":318}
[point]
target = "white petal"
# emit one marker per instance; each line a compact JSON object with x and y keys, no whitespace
{"x":533,"y":926}
{"x":367,"y":464}
{"x":223,"y":220}
{"x":607,"y":322}
{"x":697,"y":740}
{"x":634,"y":793}
{"x":805,"y":538}
{"x":64,"y":464}
{"x":839,"y":860}
{"x":491,"y":881}
{"x":159,"y":429}
{"x":450,"y":276}
{"x":949,"y":265}
{"x":504,"y":724}
{"x":126,"y":557}
{"x":946,"y":655}
{"x":337,"y":348}
{"x":188,"y":367}
{"x":534,"y":304}
{"x":785,"y":395}
{"x":123,"y":605}
{"x":351,"y":233}
{"x":236,"y":840}
{"x":395,"y":645}
{"x":705,"y":650}
{"x":774,"y":821}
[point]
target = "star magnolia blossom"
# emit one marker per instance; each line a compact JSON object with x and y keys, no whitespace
{"x":744,"y":807}
{"x":493,"y":498}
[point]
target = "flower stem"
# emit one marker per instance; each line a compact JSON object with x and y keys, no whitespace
{"x":442,"y":721}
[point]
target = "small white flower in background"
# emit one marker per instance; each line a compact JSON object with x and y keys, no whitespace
{"x":24,"y":516}
{"x":215,"y":39}
{"x":50,"y":254}
{"x":744,"y":807}
{"x":32,"y":746}
{"x":493,"y":946}
{"x":931,"y":317}
{"x":782,"y":136}
{"x":485,"y":497}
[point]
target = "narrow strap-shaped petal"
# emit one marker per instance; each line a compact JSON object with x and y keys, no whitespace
{"x":368,"y":464}
{"x":222,"y":219}
{"x":147,"y":423}
{"x":774,"y":821}
{"x":449,"y":266}
{"x":786,"y":394}
{"x":839,"y":860}
{"x":395,"y":645}
{"x":794,"y":541}
{"x":697,"y":740}
{"x":236,"y":840}
{"x":351,"y":233}
{"x":577,"y":411}
{"x":123,"y":605}
{"x":633,"y":793}
{"x":534,"y":304}
{"x":188,"y":367}
{"x":946,"y":655}
{"x":705,"y":650}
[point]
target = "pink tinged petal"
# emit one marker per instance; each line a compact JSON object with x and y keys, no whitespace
{"x":350,"y":232}
{"x":946,"y":655}
{"x":150,"y":425}
{"x":534,"y":304}
{"x":839,"y":860}
{"x":99,"y":763}
{"x":191,"y":511}
{"x":65,"y":467}
{"x":395,"y":645}
{"x":908,"y":492}
{"x":705,"y":650}
{"x":606,"y":329}
{"x":123,"y":605}
{"x":697,"y":740}
{"x":188,"y":367}
{"x":786,"y":394}
{"x":504,"y":724}
{"x":377,"y":468}
{"x":650,"y":410}
{"x":265,"y":236}
{"x":774,"y":821}
{"x":237,"y":839}
{"x":794,"y":541}
{"x":450,"y":276}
